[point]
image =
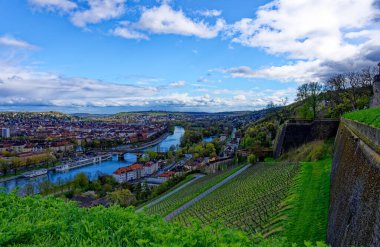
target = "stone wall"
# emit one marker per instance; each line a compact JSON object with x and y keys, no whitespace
{"x":376,"y":92}
{"x":354,"y":213}
{"x":295,"y":133}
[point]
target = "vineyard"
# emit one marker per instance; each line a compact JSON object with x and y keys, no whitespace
{"x":184,"y":195}
{"x":248,"y":201}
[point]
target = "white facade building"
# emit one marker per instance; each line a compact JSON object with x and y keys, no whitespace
{"x":150,"y":168}
{"x":128,"y":173}
{"x":5,"y":133}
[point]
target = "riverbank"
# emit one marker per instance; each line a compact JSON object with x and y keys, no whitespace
{"x":145,"y":145}
{"x":77,"y":164}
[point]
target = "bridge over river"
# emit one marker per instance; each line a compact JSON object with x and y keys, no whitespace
{"x":93,"y":171}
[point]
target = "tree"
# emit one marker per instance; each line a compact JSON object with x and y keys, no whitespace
{"x":309,"y":93}
{"x":123,"y":197}
{"x":151,"y":155}
{"x":315,"y":88}
{"x":252,"y":159}
{"x":80,"y":180}
{"x":210,"y":150}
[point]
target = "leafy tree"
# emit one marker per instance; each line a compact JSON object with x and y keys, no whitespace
{"x":123,"y":197}
{"x":80,"y":181}
{"x":309,"y":93}
{"x":252,"y":159}
{"x":151,"y":155}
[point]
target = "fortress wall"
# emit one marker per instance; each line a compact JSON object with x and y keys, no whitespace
{"x":354,"y":213}
{"x":298,"y":132}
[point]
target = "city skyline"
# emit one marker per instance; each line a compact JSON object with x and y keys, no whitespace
{"x":107,"y":56}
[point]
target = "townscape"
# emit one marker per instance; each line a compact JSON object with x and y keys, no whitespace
{"x":190,"y":123}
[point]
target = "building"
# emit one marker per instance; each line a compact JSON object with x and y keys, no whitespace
{"x":5,"y":133}
{"x":150,"y":168}
{"x":166,"y":176}
{"x":128,"y":173}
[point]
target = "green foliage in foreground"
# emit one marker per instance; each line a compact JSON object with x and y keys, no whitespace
{"x":37,"y":221}
{"x":305,"y":210}
{"x":369,"y":116}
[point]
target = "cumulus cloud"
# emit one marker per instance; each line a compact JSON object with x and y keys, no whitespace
{"x":165,"y":20}
{"x":63,"y":5}
{"x":313,"y":34}
{"x":98,"y":11}
{"x":13,"y":42}
{"x":21,"y":86}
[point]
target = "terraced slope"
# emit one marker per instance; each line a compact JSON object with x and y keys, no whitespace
{"x":189,"y":192}
{"x":248,"y":201}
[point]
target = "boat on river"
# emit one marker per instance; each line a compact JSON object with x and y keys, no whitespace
{"x":62,"y":168}
{"x":35,"y":173}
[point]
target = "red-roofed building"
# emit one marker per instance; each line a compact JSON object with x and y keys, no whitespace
{"x":150,"y":168}
{"x":128,"y":173}
{"x":166,"y":176}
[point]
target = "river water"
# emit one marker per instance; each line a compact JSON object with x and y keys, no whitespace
{"x":95,"y":170}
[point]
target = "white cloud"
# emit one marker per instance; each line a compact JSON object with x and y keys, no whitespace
{"x":99,"y":10}
{"x":13,"y":42}
{"x":210,"y":12}
{"x":20,"y":87}
{"x":314,"y":34}
{"x":177,"y":84}
{"x":240,"y":97}
{"x":299,"y":72}
{"x":128,"y":33}
{"x":63,"y":5}
{"x":166,"y":20}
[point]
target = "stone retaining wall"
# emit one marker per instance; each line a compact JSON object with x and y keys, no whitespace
{"x":354,"y":212}
{"x":298,"y":132}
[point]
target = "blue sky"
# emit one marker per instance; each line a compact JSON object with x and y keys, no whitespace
{"x":190,"y":55}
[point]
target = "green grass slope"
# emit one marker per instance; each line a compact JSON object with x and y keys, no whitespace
{"x":369,"y":116}
{"x":304,"y":212}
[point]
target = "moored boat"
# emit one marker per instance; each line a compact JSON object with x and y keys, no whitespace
{"x":36,"y":173}
{"x":62,"y":168}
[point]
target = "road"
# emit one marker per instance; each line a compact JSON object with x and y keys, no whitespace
{"x":188,"y":204}
{"x":196,"y":177}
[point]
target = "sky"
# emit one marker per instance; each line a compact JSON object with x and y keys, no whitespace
{"x":107,"y":56}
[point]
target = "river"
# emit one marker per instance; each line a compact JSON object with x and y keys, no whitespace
{"x":95,"y":170}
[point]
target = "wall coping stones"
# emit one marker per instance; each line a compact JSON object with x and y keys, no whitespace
{"x":370,"y":135}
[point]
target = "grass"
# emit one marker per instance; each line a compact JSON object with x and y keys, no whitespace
{"x":312,"y":151}
{"x":187,"y":193}
{"x":304,"y":213}
{"x":368,"y":116}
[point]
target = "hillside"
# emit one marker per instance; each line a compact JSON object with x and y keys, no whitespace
{"x":37,"y":221}
{"x":184,"y":195}
{"x":248,"y":201}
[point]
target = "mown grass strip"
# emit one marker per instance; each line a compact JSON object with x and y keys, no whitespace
{"x":304,"y":213}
